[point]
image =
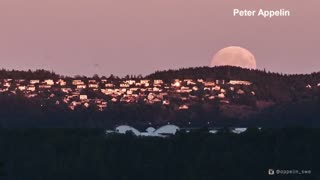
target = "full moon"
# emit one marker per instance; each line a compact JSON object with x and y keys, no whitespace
{"x":234,"y":56}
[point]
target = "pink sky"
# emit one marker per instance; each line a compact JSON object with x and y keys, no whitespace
{"x":138,"y":37}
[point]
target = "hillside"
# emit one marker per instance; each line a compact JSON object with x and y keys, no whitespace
{"x":193,"y":97}
{"x":271,"y":85}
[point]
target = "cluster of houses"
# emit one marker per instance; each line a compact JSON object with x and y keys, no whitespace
{"x":101,"y":92}
{"x":163,"y":131}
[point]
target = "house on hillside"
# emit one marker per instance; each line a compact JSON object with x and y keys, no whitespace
{"x":31,"y":88}
{"x":61,"y":82}
{"x":209,"y":84}
{"x":22,"y":88}
{"x":93,"y":85}
{"x":83,"y":97}
{"x":124,"y":85}
{"x":36,"y":81}
{"x":166,"y":102}
{"x":176,"y":84}
{"x":220,"y":81}
{"x":7,"y":84}
{"x":221,"y":96}
{"x":157,"y":82}
{"x":130,"y":82}
{"x":77,"y":82}
{"x":20,"y":80}
{"x":49,"y":82}
{"x":66,"y":90}
{"x":144,"y":81}
{"x":189,"y":82}
{"x":195,"y":88}
{"x":183,"y":107}
{"x":237,"y":82}
{"x":81,"y":86}
{"x":92,"y":81}
{"x":44,"y":86}
{"x":109,"y":85}
{"x":216,"y":88}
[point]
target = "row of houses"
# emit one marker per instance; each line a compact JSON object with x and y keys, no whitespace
{"x":99,"y":93}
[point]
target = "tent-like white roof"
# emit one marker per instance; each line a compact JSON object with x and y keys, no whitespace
{"x":167,"y":129}
{"x":123,"y":129}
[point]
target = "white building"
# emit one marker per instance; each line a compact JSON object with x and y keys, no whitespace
{"x":213,"y":131}
{"x":61,"y":82}
{"x":34,"y":81}
{"x":93,"y":86}
{"x":221,"y":95}
{"x":157,"y":82}
{"x":123,"y":129}
{"x":183,"y":107}
{"x":167,"y":130}
{"x":81,"y":86}
{"x":31,"y":88}
{"x":77,"y":82}
{"x":163,"y":131}
{"x":238,"y":130}
{"x":49,"y":82}
{"x":83,"y":97}
{"x":22,"y":88}
{"x":130,"y":82}
{"x":236,"y":82}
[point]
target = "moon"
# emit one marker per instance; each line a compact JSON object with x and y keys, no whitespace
{"x":234,"y":56}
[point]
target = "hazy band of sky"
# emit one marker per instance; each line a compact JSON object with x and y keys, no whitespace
{"x":138,"y":37}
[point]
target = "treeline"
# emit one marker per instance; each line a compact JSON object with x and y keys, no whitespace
{"x":37,"y":74}
{"x":231,"y":72}
{"x":90,"y":154}
{"x":222,"y":72}
{"x":45,"y":74}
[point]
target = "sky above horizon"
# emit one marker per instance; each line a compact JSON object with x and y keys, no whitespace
{"x":86,"y":37}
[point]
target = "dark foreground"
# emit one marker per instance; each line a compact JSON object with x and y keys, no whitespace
{"x":88,"y":154}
